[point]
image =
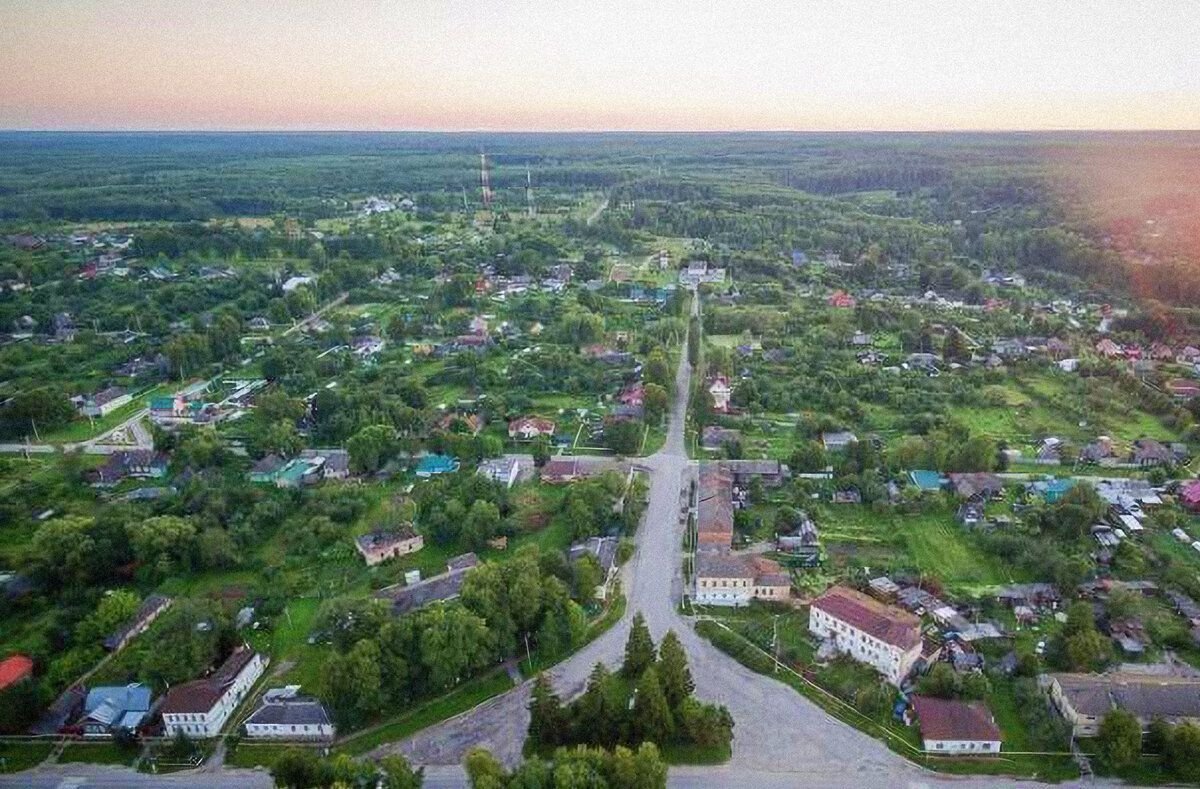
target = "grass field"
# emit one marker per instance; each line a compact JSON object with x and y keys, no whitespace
{"x":15,"y":757}
{"x":929,"y":542}
{"x":106,"y":752}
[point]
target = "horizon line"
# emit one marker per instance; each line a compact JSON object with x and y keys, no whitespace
{"x":865,"y":130}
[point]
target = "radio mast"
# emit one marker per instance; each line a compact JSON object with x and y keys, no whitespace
{"x":485,"y":183}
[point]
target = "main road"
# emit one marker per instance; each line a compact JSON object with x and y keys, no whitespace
{"x":780,"y":739}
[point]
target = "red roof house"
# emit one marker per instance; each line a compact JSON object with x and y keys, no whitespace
{"x":958,"y":727}
{"x":1189,"y":495}
{"x":841,"y":298}
{"x":14,"y":669}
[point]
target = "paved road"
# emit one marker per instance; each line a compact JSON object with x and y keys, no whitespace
{"x":78,"y":776}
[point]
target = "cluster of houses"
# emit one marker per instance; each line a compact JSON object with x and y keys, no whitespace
{"x":174,"y":410}
{"x":308,"y":468}
{"x":890,"y":640}
{"x":199,"y":709}
{"x":722,"y":577}
{"x":883,"y":629}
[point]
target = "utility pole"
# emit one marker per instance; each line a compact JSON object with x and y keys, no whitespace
{"x":529,"y":193}
{"x":775,"y":640}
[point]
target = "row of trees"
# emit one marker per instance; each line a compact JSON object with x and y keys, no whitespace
{"x":580,"y":766}
{"x":1120,"y":745}
{"x":303,"y":768}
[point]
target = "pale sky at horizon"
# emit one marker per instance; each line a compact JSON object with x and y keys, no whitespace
{"x":566,"y":65}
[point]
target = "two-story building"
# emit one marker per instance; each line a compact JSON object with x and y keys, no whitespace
{"x":200,"y":708}
{"x":884,"y":637}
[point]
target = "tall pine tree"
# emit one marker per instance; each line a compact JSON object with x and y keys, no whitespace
{"x":597,"y":714}
{"x":652,"y":719}
{"x":673,"y":671}
{"x":545,"y":713}
{"x":639,"y":649}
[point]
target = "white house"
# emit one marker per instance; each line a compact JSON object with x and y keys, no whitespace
{"x":957,"y":727}
{"x":284,"y":715}
{"x":200,"y":708}
{"x":881,"y":636}
{"x":504,"y":470}
{"x":104,"y":402}
{"x":721,"y":391}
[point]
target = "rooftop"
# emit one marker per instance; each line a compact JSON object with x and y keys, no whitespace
{"x":888,"y":624}
{"x":947,"y":719}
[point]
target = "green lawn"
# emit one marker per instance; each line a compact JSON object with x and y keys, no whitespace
{"x":15,"y":757}
{"x":249,"y":754}
{"x":930,"y":542}
{"x":466,"y":696}
{"x":106,"y":752}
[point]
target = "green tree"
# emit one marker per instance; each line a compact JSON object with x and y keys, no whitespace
{"x":941,"y":682}
{"x":706,"y":725}
{"x":1183,"y":752}
{"x":353,"y":685}
{"x":624,"y":436}
{"x":114,"y":609}
{"x":370,"y":447}
{"x":673,"y":670}
{"x":454,"y":644}
{"x":163,"y":542}
{"x":586,"y":575}
{"x":484,"y":771}
{"x":299,"y":768}
{"x":652,"y":719}
{"x":597,"y":713}
{"x":541,"y":451}
{"x":1119,"y":741}
{"x":639,"y":648}
{"x":546,"y":716}
{"x":396,"y":773}
{"x":483,"y":521}
{"x":656,"y":402}
{"x":658,"y":370}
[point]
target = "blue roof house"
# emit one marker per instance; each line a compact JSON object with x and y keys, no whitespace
{"x":110,"y":708}
{"x":431,"y":465}
{"x":1053,"y":489}
{"x":927,"y":480}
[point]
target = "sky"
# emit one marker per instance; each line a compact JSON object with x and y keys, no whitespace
{"x":562,"y":65}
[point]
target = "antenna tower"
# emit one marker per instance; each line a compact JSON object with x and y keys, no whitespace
{"x":484,"y":182}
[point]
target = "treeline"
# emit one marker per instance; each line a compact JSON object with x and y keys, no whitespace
{"x":383,"y":663}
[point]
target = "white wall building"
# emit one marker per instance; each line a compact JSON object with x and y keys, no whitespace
{"x":283,"y":715}
{"x":881,"y":636}
{"x":200,"y":708}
